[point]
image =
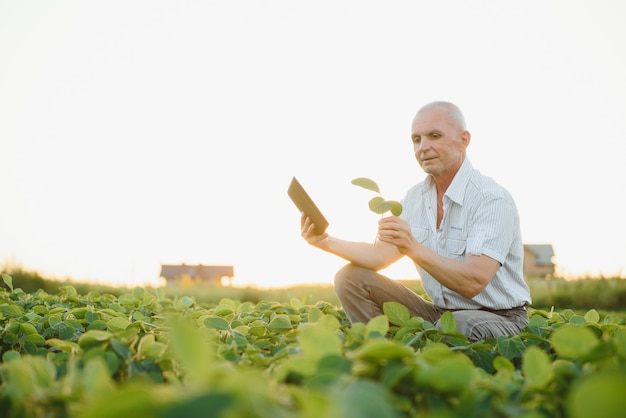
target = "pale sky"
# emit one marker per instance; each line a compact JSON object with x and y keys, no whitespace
{"x":135,"y":133}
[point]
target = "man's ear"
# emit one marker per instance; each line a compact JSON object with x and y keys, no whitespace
{"x":465,"y":138}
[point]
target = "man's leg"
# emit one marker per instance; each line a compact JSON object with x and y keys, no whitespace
{"x":363,"y":292}
{"x":481,"y":325}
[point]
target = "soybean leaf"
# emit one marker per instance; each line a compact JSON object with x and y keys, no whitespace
{"x":187,"y":301}
{"x":600,"y":395}
{"x":378,"y":325}
{"x":620,"y":343}
{"x":366,"y":184}
{"x":451,"y":374}
{"x":383,"y":350}
{"x":379,"y":205}
{"x":395,"y":207}
{"x":319,"y":340}
{"x":507,"y":347}
{"x":216,"y":322}
{"x":279,"y":323}
{"x":194,"y":348}
{"x":573,"y":342}
{"x":35,"y":339}
{"x":120,"y":348}
{"x":448,"y":323}
{"x":118,"y":324}
{"x":502,"y":364}
{"x":8,"y":280}
{"x":97,"y":382}
{"x":592,"y":316}
{"x":94,"y":338}
{"x":397,"y":313}
{"x":537,"y":368}
{"x":365,"y":399}
{"x":315,"y":314}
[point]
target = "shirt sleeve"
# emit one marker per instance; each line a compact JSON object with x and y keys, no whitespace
{"x":493,"y":227}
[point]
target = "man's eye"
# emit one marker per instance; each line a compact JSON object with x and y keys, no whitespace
{"x":416,"y":139}
{"x":435,"y":135}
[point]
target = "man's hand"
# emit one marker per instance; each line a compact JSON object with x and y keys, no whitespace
{"x":468,"y":277}
{"x":396,"y":231}
{"x":307,"y":230}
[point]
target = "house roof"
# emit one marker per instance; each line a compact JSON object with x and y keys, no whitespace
{"x":542,"y":252}
{"x":211,"y":272}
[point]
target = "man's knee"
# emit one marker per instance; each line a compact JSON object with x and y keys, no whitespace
{"x":344,"y":276}
{"x":480,"y":325}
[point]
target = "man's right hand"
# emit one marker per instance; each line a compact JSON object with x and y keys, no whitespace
{"x":307,"y":230}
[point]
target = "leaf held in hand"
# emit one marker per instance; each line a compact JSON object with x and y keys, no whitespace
{"x":366,"y":184}
{"x":395,"y":207}
{"x":379,"y":205}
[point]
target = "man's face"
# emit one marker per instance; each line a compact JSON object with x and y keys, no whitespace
{"x":439,"y":144}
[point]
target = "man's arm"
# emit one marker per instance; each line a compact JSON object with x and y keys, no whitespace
{"x":468,"y":277}
{"x":362,"y":254}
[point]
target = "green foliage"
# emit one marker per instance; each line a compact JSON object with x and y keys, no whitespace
{"x":377,"y":204}
{"x":587,"y":293}
{"x":8,"y":281}
{"x":143,"y":354}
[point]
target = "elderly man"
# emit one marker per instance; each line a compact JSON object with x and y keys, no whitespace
{"x":459,"y":227}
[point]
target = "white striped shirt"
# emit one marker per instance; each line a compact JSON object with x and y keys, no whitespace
{"x":479,"y":217}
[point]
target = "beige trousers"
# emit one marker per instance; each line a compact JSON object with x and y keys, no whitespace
{"x":362,"y":293}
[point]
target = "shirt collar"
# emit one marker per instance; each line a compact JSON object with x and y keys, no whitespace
{"x":456,"y":190}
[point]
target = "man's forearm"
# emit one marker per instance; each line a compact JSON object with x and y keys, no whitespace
{"x":468,"y":277}
{"x":363,"y":254}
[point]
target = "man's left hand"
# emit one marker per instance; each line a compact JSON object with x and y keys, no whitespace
{"x":396,"y":231}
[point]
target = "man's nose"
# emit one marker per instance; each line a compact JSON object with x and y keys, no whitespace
{"x":422,"y":146}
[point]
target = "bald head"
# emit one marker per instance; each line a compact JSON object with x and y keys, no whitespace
{"x":455,"y":116}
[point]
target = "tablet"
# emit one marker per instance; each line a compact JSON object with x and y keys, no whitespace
{"x":305,"y":204}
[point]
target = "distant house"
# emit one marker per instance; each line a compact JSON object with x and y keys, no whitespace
{"x":538,"y":261}
{"x":196,"y":274}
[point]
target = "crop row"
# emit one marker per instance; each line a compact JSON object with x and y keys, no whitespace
{"x":143,"y":354}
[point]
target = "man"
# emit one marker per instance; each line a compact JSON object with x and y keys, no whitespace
{"x":459,"y":227}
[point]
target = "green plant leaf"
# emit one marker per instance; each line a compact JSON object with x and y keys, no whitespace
{"x":216,"y":322}
{"x":319,"y":339}
{"x":397,"y":313}
{"x":537,"y":368}
{"x":364,"y":399}
{"x":620,"y":343}
{"x":120,"y":348}
{"x":592,"y":316}
{"x":92,"y":338}
{"x":69,"y":346}
{"x":453,"y":373}
{"x":130,"y":402}
{"x":447,"y":322}
{"x":280,"y":323}
{"x":96,"y":381}
{"x":383,"y":350}
{"x":600,"y":395}
{"x":118,"y":324}
{"x":366,"y":184}
{"x":8,"y":280}
{"x":187,"y":301}
{"x":35,"y":339}
{"x":377,"y":325}
{"x":315,"y":314}
{"x":395,"y":207}
{"x":379,"y":205}
{"x":193,"y":347}
{"x":501,"y":364}
{"x":573,"y":341}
